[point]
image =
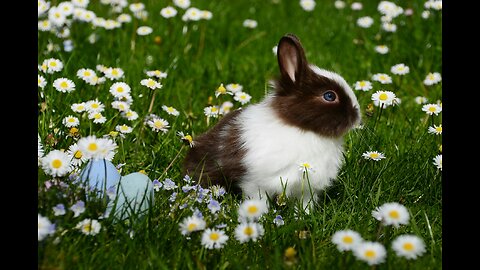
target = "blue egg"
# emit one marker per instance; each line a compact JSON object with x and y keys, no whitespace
{"x":134,"y":196}
{"x":100,"y":174}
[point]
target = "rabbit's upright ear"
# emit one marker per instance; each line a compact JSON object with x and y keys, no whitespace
{"x":291,"y":58}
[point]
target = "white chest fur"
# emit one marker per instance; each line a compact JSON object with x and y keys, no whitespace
{"x":275,"y":152}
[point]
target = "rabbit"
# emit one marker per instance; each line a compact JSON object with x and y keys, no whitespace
{"x":258,"y":150}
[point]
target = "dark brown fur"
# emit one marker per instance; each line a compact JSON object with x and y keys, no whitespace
{"x":220,"y":144}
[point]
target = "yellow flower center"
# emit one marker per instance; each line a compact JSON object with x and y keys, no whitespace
{"x":45,"y":23}
{"x":71,"y":120}
{"x":80,"y":108}
{"x":158,"y":124}
{"x":64,"y":84}
{"x":438,"y":129}
{"x":370,"y":254}
{"x":95,"y":105}
{"x":56,"y":163}
{"x":374,"y":155}
{"x":114,"y":72}
{"x":432,"y":109}
{"x":73,"y":130}
{"x":408,"y":246}
{"x":87,"y":73}
{"x":252,"y":209}
{"x":92,"y":147}
{"x":78,"y":154}
{"x":97,"y":116}
{"x":214,"y":109}
{"x":39,"y":81}
{"x":248,"y":231}
{"x":53,"y":64}
{"x":189,"y":138}
{"x":362,"y":83}
{"x":214,"y":236}
{"x":306,"y":165}
{"x":150,"y":83}
{"x":129,"y":114}
{"x":431,"y":77}
{"x":87,"y":227}
{"x":120,"y":89}
{"x":191,"y":227}
{"x":383,"y":96}
{"x":394,"y":214}
{"x":170,"y":109}
{"x":347,"y":239}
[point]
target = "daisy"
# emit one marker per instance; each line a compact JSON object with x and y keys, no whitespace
{"x":70,"y":121}
{"x":305,"y":167}
{"x":339,"y":4}
{"x":221,"y":90}
{"x":234,"y":88}
{"x":86,"y":74}
{"x":136,"y":7}
{"x":56,"y":16}
{"x":56,"y":163}
{"x":76,"y":156}
{"x":121,"y":106}
{"x":390,"y":9}
{"x":400,"y":69}
{"x":41,"y":81}
{"x":158,"y":124}
{"x":168,"y":12}
{"x":382,"y":78}
{"x":94,"y":106}
{"x":53,"y":65}
{"x":192,"y":224}
{"x":144,"y":30}
{"x":192,"y":14}
{"x":80,"y":3}
{"x":365,"y":22}
{"x":130,"y":115}
{"x":59,"y":210}
{"x":186,"y":138}
{"x":242,"y":97}
{"x":206,"y":15}
{"x":96,"y":80}
{"x":437,"y":161}
{"x":371,"y":252}
{"x":44,"y":25}
{"x":408,"y":246}
{"x":170,"y":110}
{"x":89,"y":226}
{"x":437,"y":130}
{"x":213,"y":238}
{"x":157,"y":73}
{"x":150,"y":83}
{"x":182,"y":3}
{"x":119,"y":89}
{"x":356,"y":6}
{"x":389,"y":27}
{"x":114,"y":73}
{"x":421,"y":100}
{"x":381,"y":49}
{"x":211,"y":111}
{"x":278,"y":221}
{"x":42,"y":7}
{"x":247,"y":231}
{"x":307,"y":5}
{"x":363,"y":85}
{"x":431,"y":109}
{"x":124,"y":18}
{"x":250,"y":23}
{"x":90,"y":146}
{"x":45,"y":227}
{"x":97,"y":117}
{"x":88,"y":16}
{"x":432,"y":78}
{"x":252,"y":209}
{"x":392,"y":214}
{"x":383,"y":98}
{"x":107,"y":150}
{"x":123,"y":129}
{"x":66,"y":8}
{"x":78,"y":208}
{"x":78,"y":107}
{"x":425,"y":14}
{"x":346,"y":239}
{"x":226,"y":107}
{"x":373,"y":155}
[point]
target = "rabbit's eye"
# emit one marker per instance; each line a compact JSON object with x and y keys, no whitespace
{"x":329,"y":96}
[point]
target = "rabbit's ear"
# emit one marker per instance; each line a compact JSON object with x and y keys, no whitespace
{"x":291,"y":58}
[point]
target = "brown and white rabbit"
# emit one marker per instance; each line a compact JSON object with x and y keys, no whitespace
{"x":258,"y":150}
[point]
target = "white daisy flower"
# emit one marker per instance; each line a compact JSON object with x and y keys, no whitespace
{"x":226,"y":107}
{"x":252,"y":209}
{"x":89,"y":226}
{"x":45,"y":227}
{"x":392,"y":214}
{"x":168,"y":12}
{"x":408,"y":246}
{"x":124,"y":18}
{"x":432,"y":78}
{"x":305,"y":167}
{"x":144,"y":30}
{"x":356,"y":6}
{"x":365,"y":22}
{"x":339,"y":4}
{"x":97,"y":117}
{"x":370,"y":252}
{"x":43,"y":6}
{"x":170,"y":110}
{"x":307,"y":5}
{"x":121,"y":106}
{"x":425,"y":14}
{"x":56,"y":163}
{"x":130,"y":115}
{"x":213,"y":238}
{"x":206,"y":14}
{"x":44,"y":25}
{"x":234,"y":88}
{"x":192,"y":224}
{"x":158,"y":124}
{"x":76,"y":156}
{"x":363,"y":85}
{"x":389,"y":27}
{"x":97,"y":148}
{"x":381,"y":49}
{"x":66,"y":8}
{"x":41,"y":81}
{"x":157,"y":73}
{"x":86,"y":74}
{"x":389,"y":9}
{"x":346,"y":239}
{"x":247,"y":231}
{"x":53,"y":65}
{"x":432,"y":109}
{"x":437,"y":161}
{"x":250,"y":23}
{"x":437,"y":130}
{"x":56,"y":16}
{"x":383,"y":98}
{"x":192,"y":14}
{"x":136,"y":7}
{"x":184,"y":4}
{"x":400,"y":69}
{"x":151,"y":83}
{"x":80,"y":3}
{"x":123,"y":129}
{"x":120,"y":89}
{"x":421,"y":100}
{"x":114,"y":73}
{"x":373,"y":155}
{"x":79,"y":107}
{"x":382,"y":78}
{"x":70,"y":121}
{"x":211,"y":111}
{"x":242,"y":97}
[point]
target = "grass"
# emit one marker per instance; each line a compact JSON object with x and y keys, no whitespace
{"x":218,"y":51}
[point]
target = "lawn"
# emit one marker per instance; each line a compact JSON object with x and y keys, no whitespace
{"x":197,"y":55}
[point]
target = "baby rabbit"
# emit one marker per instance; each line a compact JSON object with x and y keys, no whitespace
{"x":260,"y":149}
